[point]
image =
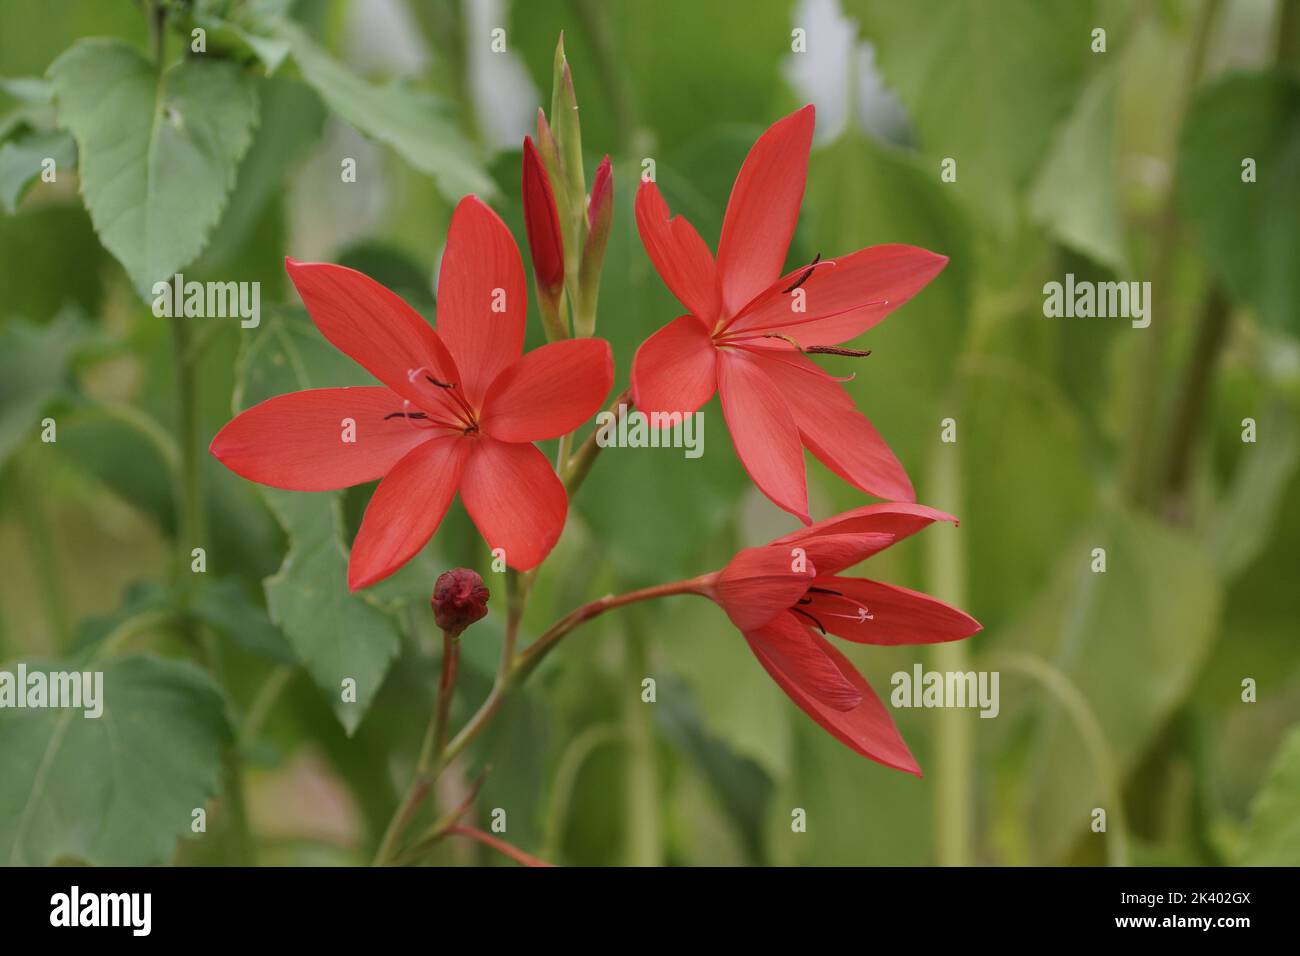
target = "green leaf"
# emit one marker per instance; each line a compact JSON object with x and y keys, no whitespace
{"x":21,"y":159}
{"x":292,"y":119}
{"x":34,"y":371}
{"x":1272,"y":836}
{"x":335,"y":633}
{"x":1250,"y":230}
{"x":976,"y":93}
{"x":226,"y":607}
{"x":410,"y":122}
{"x":1246,"y":520}
{"x":338,"y":635}
{"x":1131,"y":640}
{"x":34,"y":109}
{"x":119,"y":789}
{"x":739,"y":783}
{"x":1075,"y":197}
{"x":158,"y":155}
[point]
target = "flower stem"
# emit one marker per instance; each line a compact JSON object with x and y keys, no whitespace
{"x":1140,"y":441}
{"x":446,"y":687}
{"x":430,"y":753}
{"x":579,"y":464}
{"x":488,"y":840}
{"x":514,"y":669}
{"x":641,"y":784}
{"x":954,"y":744}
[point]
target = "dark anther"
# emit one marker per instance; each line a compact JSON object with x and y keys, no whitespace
{"x":405,"y":415}
{"x":836,"y":350}
{"x":440,"y":384}
{"x":817,"y":590}
{"x":471,"y":429}
{"x":811,"y":618}
{"x":806,"y":273}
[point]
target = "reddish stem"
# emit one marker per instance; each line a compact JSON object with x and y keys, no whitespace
{"x":505,"y":849}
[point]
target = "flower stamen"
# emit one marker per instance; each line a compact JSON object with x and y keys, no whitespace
{"x":804,"y":276}
{"x":810,"y":617}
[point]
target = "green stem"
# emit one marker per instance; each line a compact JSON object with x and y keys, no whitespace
{"x":580,"y":462}
{"x":954,"y":764}
{"x":1085,"y":721}
{"x":641,"y":783}
{"x":431,"y":751}
{"x":1139,"y":450}
{"x":1211,"y":332}
{"x":566,"y":776}
{"x":264,"y":702}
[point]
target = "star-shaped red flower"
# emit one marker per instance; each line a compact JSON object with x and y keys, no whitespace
{"x":458,"y":409}
{"x":785,"y":597}
{"x":750,"y":330}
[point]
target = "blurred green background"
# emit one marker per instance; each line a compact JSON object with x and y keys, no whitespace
{"x":1121,"y":690}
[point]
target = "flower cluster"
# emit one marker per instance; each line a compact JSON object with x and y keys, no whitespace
{"x":460,"y":406}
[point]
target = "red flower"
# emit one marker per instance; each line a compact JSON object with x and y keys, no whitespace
{"x":750,"y":329}
{"x":786,"y":596}
{"x":458,"y":408}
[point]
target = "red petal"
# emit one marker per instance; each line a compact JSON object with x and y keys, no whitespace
{"x":481,"y":270}
{"x":550,"y":391}
{"x":295,"y":441}
{"x":838,"y":551}
{"x":760,"y":583}
{"x":897,"y":615}
{"x":763,"y":209}
{"x":867,"y":728}
{"x":763,"y":431}
{"x":896,"y":520}
{"x":542,"y":221}
{"x":406,"y":509}
{"x":787,"y":646}
{"x":515,"y":499}
{"x":844,"y":297}
{"x":372,"y":325}
{"x":679,"y":255}
{"x":674,"y":370}
{"x":834,"y":430}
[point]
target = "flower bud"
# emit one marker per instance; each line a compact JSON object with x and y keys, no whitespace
{"x":542,"y":220}
{"x":600,"y":210}
{"x":459,"y":599}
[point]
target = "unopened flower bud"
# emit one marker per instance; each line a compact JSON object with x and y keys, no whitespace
{"x":542,"y":221}
{"x":459,"y":599}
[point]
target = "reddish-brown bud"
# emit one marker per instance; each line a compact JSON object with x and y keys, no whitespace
{"x":459,"y":599}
